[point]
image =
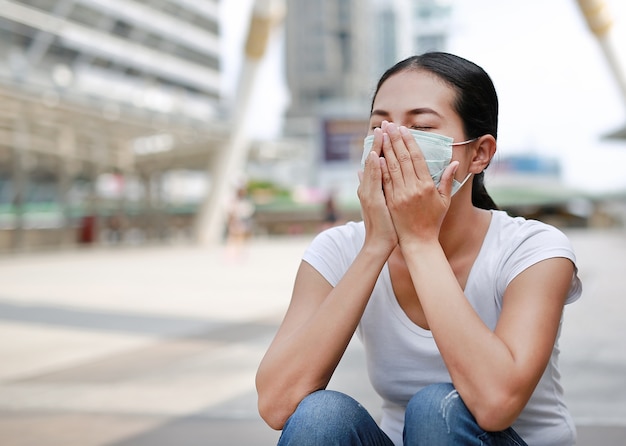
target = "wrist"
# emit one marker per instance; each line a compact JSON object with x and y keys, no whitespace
{"x":378,"y":250}
{"x":415,"y":246}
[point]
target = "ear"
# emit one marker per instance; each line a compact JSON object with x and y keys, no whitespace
{"x":484,"y":150}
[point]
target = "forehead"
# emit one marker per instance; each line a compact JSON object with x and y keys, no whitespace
{"x":411,"y":89}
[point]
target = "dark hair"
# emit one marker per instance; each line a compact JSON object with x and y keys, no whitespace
{"x":476,"y":101}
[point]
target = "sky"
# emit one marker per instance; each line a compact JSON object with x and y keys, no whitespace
{"x":557,"y":94}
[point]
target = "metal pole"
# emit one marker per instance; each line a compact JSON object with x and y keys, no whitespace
{"x":20,"y":147}
{"x":66,"y":166}
{"x":231,"y":160}
{"x":600,"y":23}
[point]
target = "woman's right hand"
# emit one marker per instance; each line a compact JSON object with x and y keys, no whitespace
{"x":321,"y":318}
{"x":379,"y":229}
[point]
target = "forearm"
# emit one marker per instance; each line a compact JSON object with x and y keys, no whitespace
{"x":306,"y":350}
{"x":481,"y":365}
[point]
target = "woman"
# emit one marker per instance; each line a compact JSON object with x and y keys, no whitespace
{"x":458,"y":304}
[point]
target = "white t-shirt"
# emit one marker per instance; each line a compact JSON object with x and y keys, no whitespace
{"x":402,"y":357}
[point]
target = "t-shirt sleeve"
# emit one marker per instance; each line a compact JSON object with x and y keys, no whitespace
{"x":333,"y":250}
{"x":538,"y":242}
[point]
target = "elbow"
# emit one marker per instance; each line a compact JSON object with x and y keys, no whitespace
{"x":498,"y":413}
{"x":273,"y":415}
{"x":278,"y":398}
{"x":493,"y":421}
{"x":276,"y":406}
{"x":273,"y":404}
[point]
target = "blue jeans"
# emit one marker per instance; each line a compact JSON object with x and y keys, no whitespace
{"x":435,"y":415}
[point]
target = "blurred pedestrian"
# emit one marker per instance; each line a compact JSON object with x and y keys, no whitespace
{"x":239,"y":223}
{"x":458,"y":304}
{"x":331,"y":213}
{"x":114,"y":229}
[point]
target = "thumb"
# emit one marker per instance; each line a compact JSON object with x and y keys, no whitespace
{"x":445,"y":186}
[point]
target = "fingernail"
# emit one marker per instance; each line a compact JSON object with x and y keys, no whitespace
{"x":404,"y":130}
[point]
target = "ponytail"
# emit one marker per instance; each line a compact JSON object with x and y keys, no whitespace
{"x":480,"y":196}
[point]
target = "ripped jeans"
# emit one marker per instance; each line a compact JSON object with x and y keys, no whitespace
{"x":435,"y":416}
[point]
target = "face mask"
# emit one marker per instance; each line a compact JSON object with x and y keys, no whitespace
{"x":437,"y":150}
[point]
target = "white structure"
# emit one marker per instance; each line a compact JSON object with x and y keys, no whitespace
{"x":125,"y":88}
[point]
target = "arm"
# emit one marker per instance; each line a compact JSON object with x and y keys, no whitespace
{"x":321,"y":320}
{"x":494,"y":372}
{"x":314,"y":334}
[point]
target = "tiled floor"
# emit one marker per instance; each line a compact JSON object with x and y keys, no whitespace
{"x":159,"y":346}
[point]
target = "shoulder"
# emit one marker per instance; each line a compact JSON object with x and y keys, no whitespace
{"x":332,"y":251}
{"x":523,"y":243}
{"x":349,"y":232}
{"x":518,"y":232}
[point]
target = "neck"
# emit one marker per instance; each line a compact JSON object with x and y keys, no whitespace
{"x":462,"y":224}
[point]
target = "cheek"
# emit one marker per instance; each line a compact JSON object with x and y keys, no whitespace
{"x":461,"y":154}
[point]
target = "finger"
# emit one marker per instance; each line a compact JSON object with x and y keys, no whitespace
{"x":417,"y":156}
{"x":377,"y":144}
{"x":386,"y":177}
{"x":365,"y":178}
{"x":392,"y":164}
{"x":445,"y":185}
{"x":400,"y":151}
{"x":372,"y":174}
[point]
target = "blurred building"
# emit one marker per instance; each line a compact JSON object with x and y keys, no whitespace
{"x":337,"y":49}
{"x":99,"y":100}
{"x":335,"y":52}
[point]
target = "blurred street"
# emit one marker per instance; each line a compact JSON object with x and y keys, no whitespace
{"x":128,"y":346}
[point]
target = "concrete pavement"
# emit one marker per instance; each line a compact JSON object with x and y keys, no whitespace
{"x":159,"y":345}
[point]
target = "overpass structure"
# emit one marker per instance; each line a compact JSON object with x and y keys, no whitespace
{"x":119,"y":87}
{"x":600,"y":22}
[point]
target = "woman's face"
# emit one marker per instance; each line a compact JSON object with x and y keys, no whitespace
{"x":417,"y":100}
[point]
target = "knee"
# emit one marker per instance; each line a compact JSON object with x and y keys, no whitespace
{"x":431,"y":403}
{"x":437,"y":411}
{"x":325,"y":405}
{"x":322,"y":415}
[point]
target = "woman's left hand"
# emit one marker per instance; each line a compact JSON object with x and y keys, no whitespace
{"x":416,"y":205}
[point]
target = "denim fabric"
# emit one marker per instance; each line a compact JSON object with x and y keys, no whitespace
{"x":435,"y":416}
{"x":328,"y":418}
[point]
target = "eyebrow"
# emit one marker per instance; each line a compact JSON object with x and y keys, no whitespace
{"x":415,"y":111}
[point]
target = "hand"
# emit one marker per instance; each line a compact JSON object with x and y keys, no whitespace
{"x":379,"y":228}
{"x":416,"y":205}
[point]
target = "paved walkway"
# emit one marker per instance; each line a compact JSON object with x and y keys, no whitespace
{"x":159,"y":345}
